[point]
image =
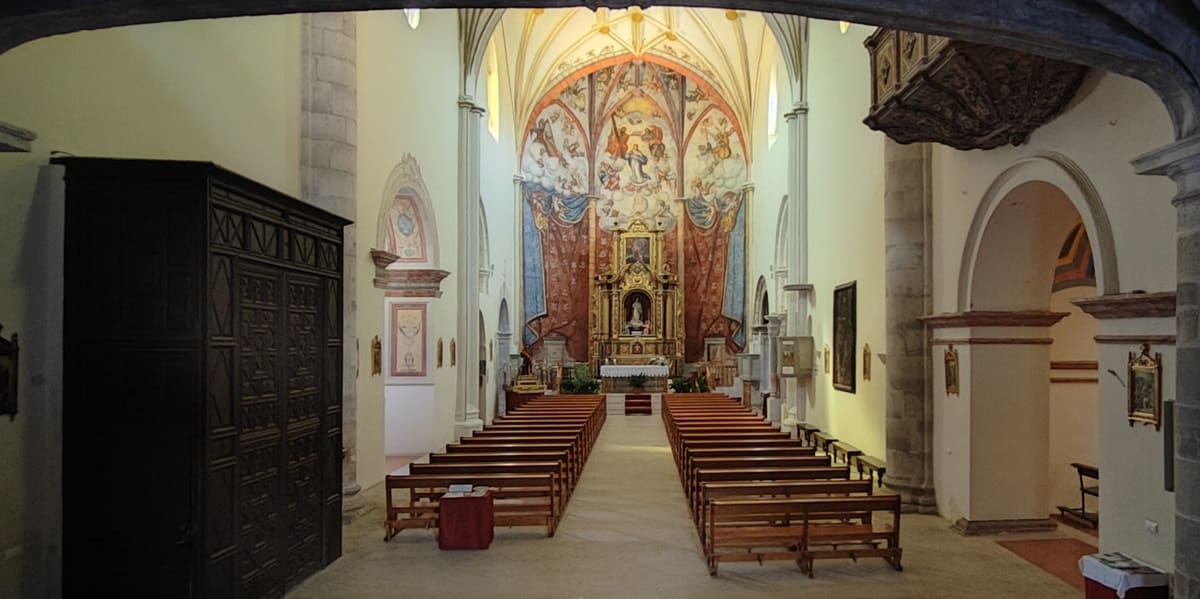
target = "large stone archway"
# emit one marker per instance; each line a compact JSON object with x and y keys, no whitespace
{"x":1153,"y":41}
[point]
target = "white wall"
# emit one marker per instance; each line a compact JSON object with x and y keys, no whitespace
{"x":225,"y":91}
{"x":1117,"y":120}
{"x":1074,"y":413}
{"x":846,"y":229}
{"x":407,"y":103}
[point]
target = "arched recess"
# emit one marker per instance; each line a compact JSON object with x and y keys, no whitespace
{"x":504,"y":326}
{"x":485,"y":249}
{"x":482,"y":372}
{"x":1061,"y":172}
{"x":1003,"y":345}
{"x":762,"y":304}
{"x":407,"y":225}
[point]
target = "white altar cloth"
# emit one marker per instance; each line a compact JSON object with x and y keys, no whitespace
{"x":611,"y":371}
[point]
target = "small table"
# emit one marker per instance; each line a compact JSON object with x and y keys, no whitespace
{"x":466,"y":521}
{"x":1108,"y":575}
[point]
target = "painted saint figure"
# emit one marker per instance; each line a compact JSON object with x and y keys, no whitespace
{"x":618,"y":139}
{"x":637,"y":161}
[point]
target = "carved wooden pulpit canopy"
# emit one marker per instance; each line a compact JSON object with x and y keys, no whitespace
{"x":636,"y":305}
{"x":964,"y":95}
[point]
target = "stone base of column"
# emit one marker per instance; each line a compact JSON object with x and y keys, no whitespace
{"x":913,"y":498}
{"x":991,"y":527}
{"x":354,"y":505}
{"x":774,"y":407}
{"x":466,"y":427}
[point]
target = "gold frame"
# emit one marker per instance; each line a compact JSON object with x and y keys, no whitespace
{"x":1145,"y":388}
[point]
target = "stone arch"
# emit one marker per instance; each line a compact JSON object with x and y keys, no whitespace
{"x":782,"y":260}
{"x":1056,"y":170}
{"x":407,"y":222}
{"x":761,"y":306}
{"x":504,"y":326}
{"x":1124,"y":38}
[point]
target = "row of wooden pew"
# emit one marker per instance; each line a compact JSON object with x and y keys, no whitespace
{"x":757,"y":494}
{"x":531,"y":459}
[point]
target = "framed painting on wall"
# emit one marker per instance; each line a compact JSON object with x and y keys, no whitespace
{"x":1145,"y":387}
{"x":407,"y":344}
{"x":845,"y":324}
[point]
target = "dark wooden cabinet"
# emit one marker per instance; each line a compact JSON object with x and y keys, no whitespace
{"x":202,"y":383}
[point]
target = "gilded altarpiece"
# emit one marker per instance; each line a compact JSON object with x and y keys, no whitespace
{"x":633,"y":188}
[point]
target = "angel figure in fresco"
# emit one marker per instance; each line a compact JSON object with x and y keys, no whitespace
{"x":653,"y":136}
{"x":610,"y":176}
{"x":618,"y":140}
{"x":637,"y":161}
{"x":544,"y":135}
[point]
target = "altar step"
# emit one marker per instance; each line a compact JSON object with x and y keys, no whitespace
{"x":638,"y":403}
{"x":616,"y":403}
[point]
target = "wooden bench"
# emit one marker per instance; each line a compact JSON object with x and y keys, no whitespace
{"x":712,"y":475}
{"x":822,"y":440}
{"x":806,"y":430}
{"x":518,"y":500}
{"x":467,"y":471}
{"x":775,"y":490}
{"x":874,"y":467}
{"x":844,"y":452}
{"x":1085,"y":471}
{"x":801,"y":530}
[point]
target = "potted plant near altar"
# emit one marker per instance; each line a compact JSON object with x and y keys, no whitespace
{"x":637,"y":381}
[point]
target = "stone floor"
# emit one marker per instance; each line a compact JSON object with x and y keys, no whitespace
{"x":626,"y":533}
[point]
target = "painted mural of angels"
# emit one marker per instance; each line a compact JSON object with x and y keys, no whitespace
{"x":543,"y":135}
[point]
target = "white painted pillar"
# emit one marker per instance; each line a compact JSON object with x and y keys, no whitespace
{"x":466,"y":410}
{"x":798,"y":289}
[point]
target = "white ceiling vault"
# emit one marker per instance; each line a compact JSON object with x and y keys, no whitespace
{"x":732,"y":50}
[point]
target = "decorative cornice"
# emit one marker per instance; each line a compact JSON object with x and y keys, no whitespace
{"x":992,"y":341}
{"x":408,"y":282}
{"x":801,"y":288}
{"x":993,"y":318}
{"x":382,"y":259}
{"x":1136,"y":339}
{"x":1129,"y":305}
{"x":1075,"y":365}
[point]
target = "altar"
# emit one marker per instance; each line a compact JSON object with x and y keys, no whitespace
{"x":614,"y":378}
{"x":636,"y":316}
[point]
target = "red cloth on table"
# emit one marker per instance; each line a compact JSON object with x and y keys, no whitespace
{"x":466,"y":522}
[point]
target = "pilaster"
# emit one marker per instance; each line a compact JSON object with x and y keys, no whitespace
{"x":467,"y":411}
{"x":771,"y":372}
{"x":1181,"y":162}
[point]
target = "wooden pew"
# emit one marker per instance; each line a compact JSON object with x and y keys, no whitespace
{"x":774,"y":490}
{"x":518,"y":500}
{"x":710,"y":475}
{"x":801,"y":530}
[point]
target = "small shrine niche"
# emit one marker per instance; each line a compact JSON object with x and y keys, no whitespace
{"x":637,"y":315}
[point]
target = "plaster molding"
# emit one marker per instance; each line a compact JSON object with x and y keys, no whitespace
{"x":993,"y":318}
{"x":1129,"y":305}
{"x":992,"y":341}
{"x":15,"y":139}
{"x":1075,"y":365}
{"x":420,"y":282}
{"x":1135,"y":339}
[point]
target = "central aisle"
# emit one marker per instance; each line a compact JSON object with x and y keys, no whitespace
{"x":627,"y":534}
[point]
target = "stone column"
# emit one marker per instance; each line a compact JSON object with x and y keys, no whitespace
{"x":907,"y":235}
{"x":467,"y":409}
{"x":1181,"y":162}
{"x":328,"y":154}
{"x":770,"y":376}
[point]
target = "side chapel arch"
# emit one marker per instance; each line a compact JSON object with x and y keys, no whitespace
{"x":1067,"y":176}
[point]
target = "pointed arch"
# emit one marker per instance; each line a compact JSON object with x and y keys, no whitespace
{"x":407,"y":224}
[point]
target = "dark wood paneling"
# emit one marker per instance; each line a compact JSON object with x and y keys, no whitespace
{"x":203,"y":383}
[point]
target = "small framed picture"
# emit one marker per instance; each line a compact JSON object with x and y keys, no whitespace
{"x":1145,"y":387}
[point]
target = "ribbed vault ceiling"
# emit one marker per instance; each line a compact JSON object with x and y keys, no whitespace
{"x":731,"y":50}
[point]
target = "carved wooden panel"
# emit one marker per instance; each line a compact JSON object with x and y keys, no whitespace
{"x":209,"y":308}
{"x":964,"y":95}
